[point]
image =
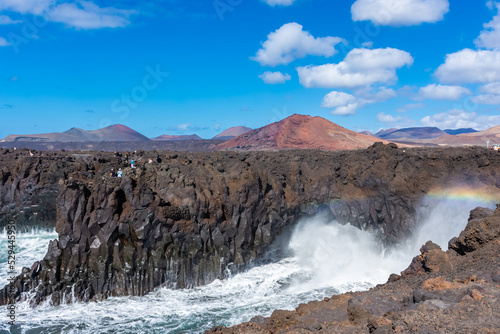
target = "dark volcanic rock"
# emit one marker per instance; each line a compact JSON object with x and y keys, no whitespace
{"x":184,"y":219}
{"x":430,"y":302}
{"x":482,"y":228}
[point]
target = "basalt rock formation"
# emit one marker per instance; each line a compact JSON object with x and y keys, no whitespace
{"x":456,"y":291}
{"x":183,"y":219}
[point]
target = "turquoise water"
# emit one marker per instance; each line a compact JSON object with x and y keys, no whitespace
{"x":325,"y":259}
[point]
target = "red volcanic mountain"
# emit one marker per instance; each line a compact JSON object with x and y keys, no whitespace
{"x":115,"y":132}
{"x":173,"y":137}
{"x":232,"y":132}
{"x":300,"y":132}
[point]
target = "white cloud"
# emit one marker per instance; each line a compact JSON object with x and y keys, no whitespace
{"x":3,"y":42}
{"x":36,"y":7}
{"x":336,"y":99}
{"x":361,"y":67}
{"x":399,"y":12}
{"x":386,"y":118}
{"x":79,"y":14}
{"x":87,"y":15}
{"x":290,"y":42}
{"x":279,"y":2}
{"x":367,"y":45}
{"x":470,"y":66}
{"x":183,"y":127}
{"x":382,"y":95}
{"x":274,"y":77}
{"x":4,"y":20}
{"x":347,"y":104}
{"x":456,"y":119}
{"x":441,"y":92}
{"x":349,"y":109}
{"x":490,"y":37}
{"x":491,"y":94}
{"x":491,"y":88}
{"x":486,"y":99}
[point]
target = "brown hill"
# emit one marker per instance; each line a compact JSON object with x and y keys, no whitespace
{"x":232,"y":132}
{"x":174,"y":137}
{"x":491,"y":135}
{"x":300,"y":132}
{"x":115,"y":132}
{"x":118,"y":132}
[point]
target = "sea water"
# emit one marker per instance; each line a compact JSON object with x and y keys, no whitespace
{"x":322,"y":258}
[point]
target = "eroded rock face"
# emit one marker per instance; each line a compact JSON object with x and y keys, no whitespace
{"x":461,"y":299}
{"x":182,"y":220}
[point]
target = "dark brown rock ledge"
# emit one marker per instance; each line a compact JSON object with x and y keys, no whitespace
{"x":457,"y":291}
{"x":181,"y":220}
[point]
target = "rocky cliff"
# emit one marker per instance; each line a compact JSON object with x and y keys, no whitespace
{"x":455,"y":291}
{"x":182,"y":220}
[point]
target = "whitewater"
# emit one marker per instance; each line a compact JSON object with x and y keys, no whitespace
{"x":318,"y":259}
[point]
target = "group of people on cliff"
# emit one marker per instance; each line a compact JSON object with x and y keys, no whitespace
{"x":119,"y":172}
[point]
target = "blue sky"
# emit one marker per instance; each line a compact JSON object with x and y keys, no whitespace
{"x":184,"y":66}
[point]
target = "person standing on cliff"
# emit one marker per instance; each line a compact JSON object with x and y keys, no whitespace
{"x":132,"y":163}
{"x":119,"y":173}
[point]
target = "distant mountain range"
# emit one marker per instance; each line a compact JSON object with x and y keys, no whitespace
{"x":437,"y":137}
{"x":300,"y":132}
{"x":419,"y":133}
{"x":294,"y":132}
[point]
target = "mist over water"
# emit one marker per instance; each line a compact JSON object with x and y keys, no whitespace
{"x":322,"y":258}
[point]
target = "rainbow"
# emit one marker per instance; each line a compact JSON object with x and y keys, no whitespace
{"x":486,"y":194}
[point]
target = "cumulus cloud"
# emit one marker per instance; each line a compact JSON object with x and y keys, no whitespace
{"x":470,"y":66}
{"x":490,"y":36}
{"x":361,"y":67}
{"x":349,"y":109}
{"x":399,"y":12}
{"x":279,"y":2}
{"x":490,"y":94}
{"x":290,"y":42}
{"x":347,"y":104}
{"x":456,"y":119}
{"x":386,"y":118}
{"x":492,"y":99}
{"x":274,"y":77}
{"x":442,"y":92}
{"x":3,"y":42}
{"x":491,"y":88}
{"x":87,"y":15}
{"x":336,"y":99}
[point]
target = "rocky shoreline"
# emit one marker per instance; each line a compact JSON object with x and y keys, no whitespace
{"x":183,"y":219}
{"x":456,"y":291}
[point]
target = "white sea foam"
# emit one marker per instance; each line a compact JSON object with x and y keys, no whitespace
{"x":325,"y":259}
